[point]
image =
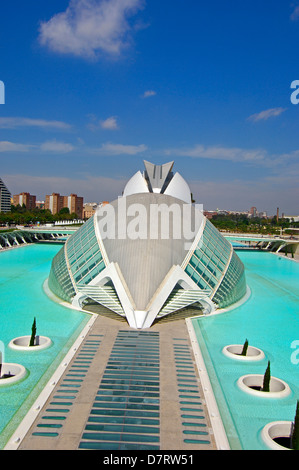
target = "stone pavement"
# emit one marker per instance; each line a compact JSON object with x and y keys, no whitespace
{"x":126,"y":389}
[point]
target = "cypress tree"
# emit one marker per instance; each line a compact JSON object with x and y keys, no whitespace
{"x":295,"y":430}
{"x":245,"y":347}
{"x":267,"y":378}
{"x":33,"y":333}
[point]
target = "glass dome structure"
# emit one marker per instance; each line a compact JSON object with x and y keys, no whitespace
{"x":148,"y":254}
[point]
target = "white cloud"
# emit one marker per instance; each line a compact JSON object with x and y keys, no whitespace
{"x":255,"y":157}
{"x":295,"y":14}
{"x":13,"y":122}
{"x":119,"y":149}
{"x":267,"y":114}
{"x":149,"y":93}
{"x":109,"y":124}
{"x":233,"y":154}
{"x":88,"y":28}
{"x":6,"y":146}
{"x":49,"y":146}
{"x":56,"y":147}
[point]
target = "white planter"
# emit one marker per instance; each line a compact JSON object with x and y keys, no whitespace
{"x":274,"y":430}
{"x":22,"y":343}
{"x":17,"y":371}
{"x":278,"y":388}
{"x":234,"y":352}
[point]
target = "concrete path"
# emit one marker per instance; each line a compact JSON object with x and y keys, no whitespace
{"x":91,"y":409}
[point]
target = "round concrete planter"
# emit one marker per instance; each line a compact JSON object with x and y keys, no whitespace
{"x":278,"y":388}
{"x":274,"y":430}
{"x":234,"y":352}
{"x":14,"y":373}
{"x":22,"y":343}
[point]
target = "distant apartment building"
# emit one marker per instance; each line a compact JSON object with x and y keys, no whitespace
{"x":55,"y":202}
{"x":27,"y":199}
{"x":90,"y":208}
{"x":5,"y":198}
{"x":40,"y":204}
{"x":253,"y":212}
{"x":75,"y":204}
{"x":210,"y":214}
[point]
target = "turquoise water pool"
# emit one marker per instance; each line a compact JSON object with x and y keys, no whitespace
{"x":22,"y":274}
{"x":270,"y":321}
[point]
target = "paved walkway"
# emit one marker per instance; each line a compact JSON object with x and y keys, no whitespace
{"x":126,"y":389}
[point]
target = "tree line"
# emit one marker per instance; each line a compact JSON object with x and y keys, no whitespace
{"x":19,"y":215}
{"x":243,"y":224}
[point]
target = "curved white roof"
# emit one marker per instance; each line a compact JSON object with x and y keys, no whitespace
{"x":179,"y":188}
{"x":159,"y":179}
{"x":136,"y":184}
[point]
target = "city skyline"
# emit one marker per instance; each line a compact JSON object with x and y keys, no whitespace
{"x":25,"y":197}
{"x":93,"y":88}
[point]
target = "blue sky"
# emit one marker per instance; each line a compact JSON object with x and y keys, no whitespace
{"x":94,"y":87}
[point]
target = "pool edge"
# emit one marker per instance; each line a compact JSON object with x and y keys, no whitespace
{"x":15,"y":440}
{"x":221,"y":439}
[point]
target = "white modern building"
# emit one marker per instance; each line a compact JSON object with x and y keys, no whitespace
{"x":5,"y":198}
{"x":149,"y":254}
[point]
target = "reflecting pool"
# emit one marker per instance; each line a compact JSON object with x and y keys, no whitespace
{"x":270,"y":321}
{"x":23,"y":271}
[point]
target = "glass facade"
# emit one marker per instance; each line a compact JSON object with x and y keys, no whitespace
{"x":59,"y":280}
{"x":215,"y":268}
{"x":84,"y":254}
{"x":233,"y":285}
